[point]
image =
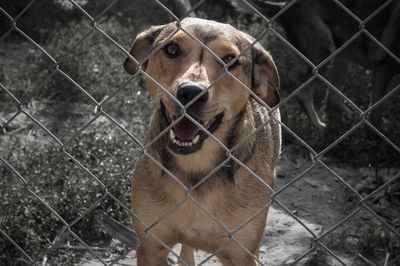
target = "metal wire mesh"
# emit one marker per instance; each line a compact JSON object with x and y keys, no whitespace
{"x":23,"y":110}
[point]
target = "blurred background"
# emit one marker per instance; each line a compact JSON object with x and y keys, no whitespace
{"x":58,"y":63}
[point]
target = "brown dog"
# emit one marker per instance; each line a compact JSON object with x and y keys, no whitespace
{"x":229,"y":206}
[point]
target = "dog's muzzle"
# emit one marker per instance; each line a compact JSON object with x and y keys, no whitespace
{"x":185,"y":137}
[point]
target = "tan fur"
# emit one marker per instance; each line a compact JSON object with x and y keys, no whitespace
{"x":232,"y":194}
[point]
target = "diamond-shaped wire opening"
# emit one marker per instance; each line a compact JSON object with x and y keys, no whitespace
{"x":105,"y":149}
{"x":60,"y":18}
{"x":23,"y":205}
{"x":35,"y":138}
{"x":285,"y":239}
{"x":69,"y":189}
{"x":111,"y":209}
{"x":368,"y":140}
{"x":134,"y":108}
{"x":96,"y":51}
{"x":320,"y":185}
{"x":362,"y":236}
{"x":62,"y":119}
{"x":118,"y":251}
{"x":23,"y":71}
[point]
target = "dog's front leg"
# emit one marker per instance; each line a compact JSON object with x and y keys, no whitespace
{"x":151,"y":253}
{"x":187,"y":254}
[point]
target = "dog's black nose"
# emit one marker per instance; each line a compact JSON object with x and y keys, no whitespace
{"x":188,"y":91}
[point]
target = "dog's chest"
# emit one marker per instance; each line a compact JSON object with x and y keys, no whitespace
{"x":203,"y":223}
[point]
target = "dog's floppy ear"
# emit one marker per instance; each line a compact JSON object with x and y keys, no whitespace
{"x":142,"y":46}
{"x":265,"y":79}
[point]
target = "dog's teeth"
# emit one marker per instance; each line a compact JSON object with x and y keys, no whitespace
{"x":196,"y":139}
{"x":182,"y":143}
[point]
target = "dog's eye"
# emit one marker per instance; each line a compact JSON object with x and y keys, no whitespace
{"x":227,"y":59}
{"x":171,"y":50}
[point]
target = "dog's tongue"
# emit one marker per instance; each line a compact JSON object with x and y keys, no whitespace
{"x":186,"y":129}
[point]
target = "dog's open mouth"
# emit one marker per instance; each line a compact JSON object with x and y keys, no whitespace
{"x":186,"y":137}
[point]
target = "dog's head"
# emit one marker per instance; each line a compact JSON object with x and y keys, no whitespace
{"x":187,"y":70}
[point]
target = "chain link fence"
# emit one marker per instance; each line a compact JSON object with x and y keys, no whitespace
{"x":104,"y":189}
